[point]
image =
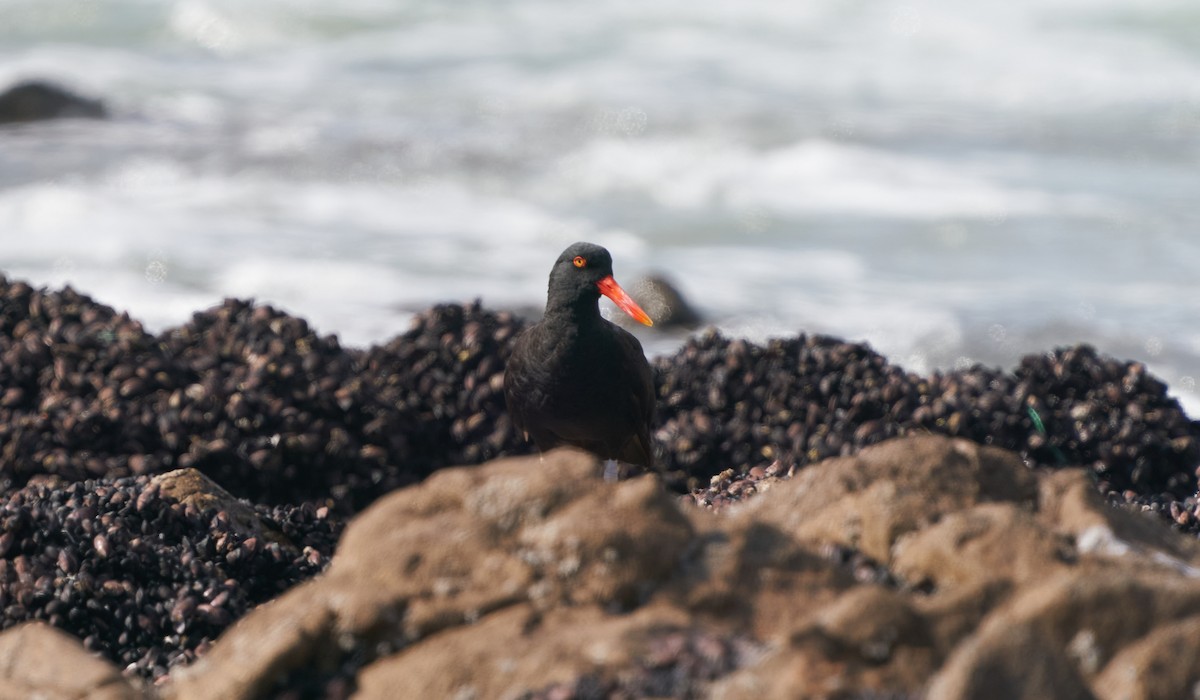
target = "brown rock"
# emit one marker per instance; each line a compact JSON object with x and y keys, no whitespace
{"x":984,"y":543}
{"x":290,"y":632}
{"x":871,"y":622}
{"x":870,"y":642}
{"x":1017,"y":664}
{"x":1051,"y":638}
{"x":520,"y":534}
{"x":473,"y":662}
{"x":1160,"y":666}
{"x":38,"y":661}
{"x":191,"y":487}
{"x":533,"y":576}
{"x":870,"y":638}
{"x":445,"y":553}
{"x":1073,"y":507}
{"x":953,"y":614}
{"x":869,"y":500}
{"x":610,"y":549}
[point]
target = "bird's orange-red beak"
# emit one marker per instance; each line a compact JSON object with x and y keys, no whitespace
{"x":609,"y":288}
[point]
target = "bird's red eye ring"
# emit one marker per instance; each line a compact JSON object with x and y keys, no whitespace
{"x":580,"y":261}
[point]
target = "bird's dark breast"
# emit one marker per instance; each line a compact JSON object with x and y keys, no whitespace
{"x":583,"y":389}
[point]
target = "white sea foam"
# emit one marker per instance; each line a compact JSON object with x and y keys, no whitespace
{"x":810,"y":177}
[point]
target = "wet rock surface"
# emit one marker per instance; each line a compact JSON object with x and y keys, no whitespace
{"x":156,"y":488}
{"x":731,"y":404}
{"x":145,"y":580}
{"x":663,"y":301}
{"x":277,"y":413}
{"x":37,"y":100}
{"x":250,"y":396}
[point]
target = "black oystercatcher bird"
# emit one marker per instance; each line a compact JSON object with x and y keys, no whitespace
{"x":576,"y":379}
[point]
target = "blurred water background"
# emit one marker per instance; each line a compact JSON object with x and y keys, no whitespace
{"x":950,"y":182}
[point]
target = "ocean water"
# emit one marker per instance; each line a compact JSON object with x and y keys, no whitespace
{"x":950,"y":182}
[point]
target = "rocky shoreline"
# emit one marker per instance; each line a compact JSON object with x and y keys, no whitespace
{"x":98,"y":417}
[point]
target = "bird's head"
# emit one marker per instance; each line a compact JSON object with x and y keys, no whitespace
{"x":582,"y":273}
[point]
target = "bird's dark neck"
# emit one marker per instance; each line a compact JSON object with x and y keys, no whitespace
{"x":583,"y":310}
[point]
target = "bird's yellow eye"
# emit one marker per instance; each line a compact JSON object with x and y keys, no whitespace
{"x":580,"y":261}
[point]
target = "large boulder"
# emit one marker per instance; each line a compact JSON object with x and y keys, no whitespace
{"x":37,"y":100}
{"x":923,"y":567}
{"x":533,"y":578}
{"x":38,"y":661}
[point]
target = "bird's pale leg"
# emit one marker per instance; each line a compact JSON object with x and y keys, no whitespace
{"x":611,"y":469}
